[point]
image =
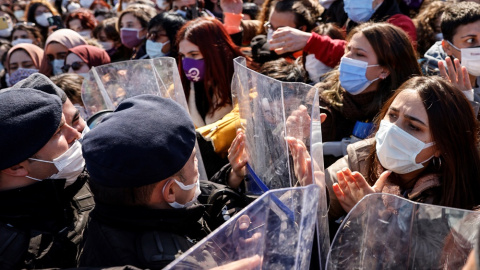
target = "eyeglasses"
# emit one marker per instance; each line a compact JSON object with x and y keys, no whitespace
{"x":152,"y":35}
{"x":75,"y":66}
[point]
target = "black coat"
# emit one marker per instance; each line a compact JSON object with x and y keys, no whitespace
{"x":140,"y":236}
{"x":41,"y":225}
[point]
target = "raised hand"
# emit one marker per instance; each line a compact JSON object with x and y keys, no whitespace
{"x":458,"y":76}
{"x":238,"y":159}
{"x":288,"y":39}
{"x":352,"y":187}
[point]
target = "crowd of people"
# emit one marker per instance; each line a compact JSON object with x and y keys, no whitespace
{"x":127,"y":192}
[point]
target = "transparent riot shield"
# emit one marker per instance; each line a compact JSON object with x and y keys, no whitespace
{"x":278,"y":227}
{"x":275,"y":115}
{"x":388,"y":232}
{"x":107,"y":86}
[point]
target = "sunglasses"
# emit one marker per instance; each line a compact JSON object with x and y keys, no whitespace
{"x":75,"y":66}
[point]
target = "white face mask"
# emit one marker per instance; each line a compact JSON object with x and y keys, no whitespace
{"x":326,"y":3}
{"x":397,"y":150}
{"x":43,"y":19}
{"x":6,"y":32}
{"x":161,"y":4}
{"x":22,"y":40}
{"x":186,"y":188}
{"x":69,"y":164}
{"x":19,"y":14}
{"x":154,"y":49}
{"x":86,"y":3}
{"x":107,"y":45}
{"x":470,"y":59}
{"x":124,"y":6}
{"x":57,"y":65}
{"x":315,"y":68}
{"x":73,"y":6}
{"x":85,"y":33}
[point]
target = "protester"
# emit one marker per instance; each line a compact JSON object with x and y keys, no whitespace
{"x":297,"y":14}
{"x":427,"y":24}
{"x":43,"y":186}
{"x":71,"y":83}
{"x":81,"y":21}
{"x":132,"y":25}
{"x":461,"y":32}
{"x":206,"y":77}
{"x":23,"y":60}
{"x":5,"y":46}
{"x":329,"y":51}
{"x":356,"y":90}
{"x":81,"y":59}
{"x":350,"y":13}
{"x":10,"y":20}
{"x":107,"y":35}
{"x":412,"y":154}
{"x":56,"y":50}
{"x":162,"y":31}
{"x":26,"y":33}
{"x":38,"y":12}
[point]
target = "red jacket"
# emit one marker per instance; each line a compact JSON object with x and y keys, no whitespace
{"x":329,"y":51}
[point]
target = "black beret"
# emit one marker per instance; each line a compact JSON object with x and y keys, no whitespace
{"x":28,"y":120}
{"x":145,"y":140}
{"x":43,"y":83}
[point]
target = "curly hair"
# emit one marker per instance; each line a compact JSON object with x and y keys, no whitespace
{"x":425,"y":23}
{"x":85,"y":16}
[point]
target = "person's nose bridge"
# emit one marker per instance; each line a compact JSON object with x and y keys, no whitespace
{"x":72,"y":134}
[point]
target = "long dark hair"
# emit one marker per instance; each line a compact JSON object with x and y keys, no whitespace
{"x":394,"y":51}
{"x":454,"y":129}
{"x":218,"y":52}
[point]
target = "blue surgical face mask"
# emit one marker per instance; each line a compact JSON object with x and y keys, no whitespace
{"x":154,"y":49}
{"x":359,"y":11}
{"x":57,"y":65}
{"x":353,"y":75}
{"x":182,"y":13}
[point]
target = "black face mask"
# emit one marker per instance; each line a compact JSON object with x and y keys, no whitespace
{"x":38,"y":206}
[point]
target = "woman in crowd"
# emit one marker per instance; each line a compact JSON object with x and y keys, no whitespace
{"x":107,"y":35}
{"x":23,"y":60}
{"x":132,"y":25}
{"x":81,"y":21}
{"x":5,"y":46}
{"x":81,"y":59}
{"x":38,"y":12}
{"x":26,"y":33}
{"x":425,"y":149}
{"x":56,"y":50}
{"x":206,"y":70}
{"x":10,"y":19}
{"x":378,"y":59}
{"x":427,"y":23}
{"x":162,"y":30}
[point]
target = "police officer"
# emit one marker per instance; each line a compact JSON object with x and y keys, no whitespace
{"x":145,"y":181}
{"x":40,"y":82}
{"x":42,"y":182}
